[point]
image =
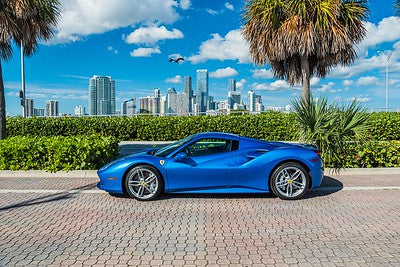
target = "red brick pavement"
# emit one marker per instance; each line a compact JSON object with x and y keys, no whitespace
{"x":343,"y":228}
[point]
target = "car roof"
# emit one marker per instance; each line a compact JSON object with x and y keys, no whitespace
{"x":216,"y":135}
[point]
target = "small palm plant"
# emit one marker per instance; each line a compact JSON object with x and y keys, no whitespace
{"x":331,"y":127}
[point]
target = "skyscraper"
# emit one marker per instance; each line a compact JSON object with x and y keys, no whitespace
{"x":189,"y":91}
{"x":51,"y":108}
{"x":252,"y":101}
{"x":101,"y":95}
{"x":232,"y":85}
{"x":29,"y":107}
{"x":80,"y":111}
{"x":39,"y":112}
{"x":202,"y":89}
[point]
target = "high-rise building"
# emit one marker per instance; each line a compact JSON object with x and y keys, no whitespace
{"x":177,"y":103}
{"x":29,"y":107}
{"x":52,"y":108}
{"x":101,"y":95}
{"x":259,"y":104}
{"x":163,"y":105}
{"x":128,"y":107}
{"x":232,"y":85}
{"x":150,"y":104}
{"x":39,"y":112}
{"x":202,"y":89}
{"x":234,"y":97}
{"x":188,"y":86}
{"x":189,"y":92}
{"x":252,"y":101}
{"x":80,"y":111}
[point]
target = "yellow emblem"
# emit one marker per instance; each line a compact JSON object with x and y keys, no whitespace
{"x":289,"y":181}
{"x":143,"y":183}
{"x":162,"y":162}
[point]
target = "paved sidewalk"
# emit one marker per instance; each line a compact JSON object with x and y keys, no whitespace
{"x":73,"y":223}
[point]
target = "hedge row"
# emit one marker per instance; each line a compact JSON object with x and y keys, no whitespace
{"x":57,"y":153}
{"x":267,"y":126}
{"x":372,"y":154}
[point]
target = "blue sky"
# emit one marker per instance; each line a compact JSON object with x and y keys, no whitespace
{"x":132,"y":40}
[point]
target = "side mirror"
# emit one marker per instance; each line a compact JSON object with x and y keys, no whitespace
{"x":180,"y":156}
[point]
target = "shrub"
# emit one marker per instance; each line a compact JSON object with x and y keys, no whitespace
{"x":371,"y":155}
{"x":56,"y":153}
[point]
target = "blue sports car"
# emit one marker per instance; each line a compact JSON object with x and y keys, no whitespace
{"x":215,"y":163}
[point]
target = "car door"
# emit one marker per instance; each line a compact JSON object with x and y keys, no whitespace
{"x":209,"y":163}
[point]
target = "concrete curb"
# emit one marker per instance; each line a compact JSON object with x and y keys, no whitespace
{"x":44,"y":174}
{"x":93,"y":173}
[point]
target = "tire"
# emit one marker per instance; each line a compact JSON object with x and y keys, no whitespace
{"x":289,"y":181}
{"x":143,"y":183}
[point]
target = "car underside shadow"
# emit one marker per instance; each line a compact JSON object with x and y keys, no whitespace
{"x":329,"y":186}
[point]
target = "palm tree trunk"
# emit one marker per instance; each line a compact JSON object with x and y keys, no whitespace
{"x":305,"y":79}
{"x":2,"y":107}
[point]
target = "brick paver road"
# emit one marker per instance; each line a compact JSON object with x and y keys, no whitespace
{"x":348,"y":227}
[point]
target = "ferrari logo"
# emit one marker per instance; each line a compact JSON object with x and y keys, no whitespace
{"x":289,"y":181}
{"x":162,"y":162}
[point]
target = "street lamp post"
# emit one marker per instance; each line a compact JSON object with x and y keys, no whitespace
{"x":23,"y":81}
{"x":387,"y":76}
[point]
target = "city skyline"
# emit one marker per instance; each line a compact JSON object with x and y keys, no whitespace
{"x":135,"y":51}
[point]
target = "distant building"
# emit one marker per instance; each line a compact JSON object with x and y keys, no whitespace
{"x":189,"y":92}
{"x":232,"y":85}
{"x":39,"y":112}
{"x":259,"y":107}
{"x":202,"y":89}
{"x":101,"y":95}
{"x":177,"y":103}
{"x":80,"y":111}
{"x":163,"y":105}
{"x":252,"y":101}
{"x":150,"y":104}
{"x":29,"y":107}
{"x":52,"y":108}
{"x":128,"y":107}
{"x":234,"y":97}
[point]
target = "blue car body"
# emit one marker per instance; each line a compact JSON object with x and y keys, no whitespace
{"x":247,"y":169}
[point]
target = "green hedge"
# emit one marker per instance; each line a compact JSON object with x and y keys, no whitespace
{"x":373,"y":154}
{"x":267,"y":126}
{"x":56,"y":153}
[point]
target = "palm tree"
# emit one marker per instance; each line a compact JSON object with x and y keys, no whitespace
{"x":302,"y":38}
{"x":397,"y":6}
{"x":24,"y":22}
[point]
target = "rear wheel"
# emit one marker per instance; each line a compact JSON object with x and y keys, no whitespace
{"x":144,"y":183}
{"x":289,"y":181}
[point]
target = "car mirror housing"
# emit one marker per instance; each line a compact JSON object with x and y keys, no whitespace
{"x":180,"y":156}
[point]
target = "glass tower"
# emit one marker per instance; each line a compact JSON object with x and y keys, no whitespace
{"x":101,"y":95}
{"x":202,"y":89}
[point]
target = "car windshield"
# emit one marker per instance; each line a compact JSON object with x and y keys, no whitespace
{"x":165,"y":151}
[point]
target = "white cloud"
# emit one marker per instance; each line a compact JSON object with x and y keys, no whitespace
{"x":274,"y":86}
{"x":384,"y":32}
{"x":327,"y":87}
{"x":211,"y":11}
{"x":151,"y":35}
{"x":314,"y":81}
{"x":175,"y":79}
{"x":229,"y":6}
{"x":145,"y":52}
{"x":223,"y":73}
{"x":112,"y":49}
{"x":230,"y":47}
{"x":368,"y":80}
{"x":185,"y":4}
{"x":240,"y":84}
{"x":262,"y":73}
{"x":347,"y":82}
{"x":85,"y":17}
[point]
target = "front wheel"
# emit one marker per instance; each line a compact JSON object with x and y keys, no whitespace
{"x":289,"y":181}
{"x":144,"y":183}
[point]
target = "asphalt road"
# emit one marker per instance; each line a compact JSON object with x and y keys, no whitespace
{"x":64,"y":220}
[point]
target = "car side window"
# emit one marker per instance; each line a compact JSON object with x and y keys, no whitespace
{"x":209,"y":146}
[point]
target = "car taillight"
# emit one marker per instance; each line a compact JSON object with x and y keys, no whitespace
{"x":317,"y":152}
